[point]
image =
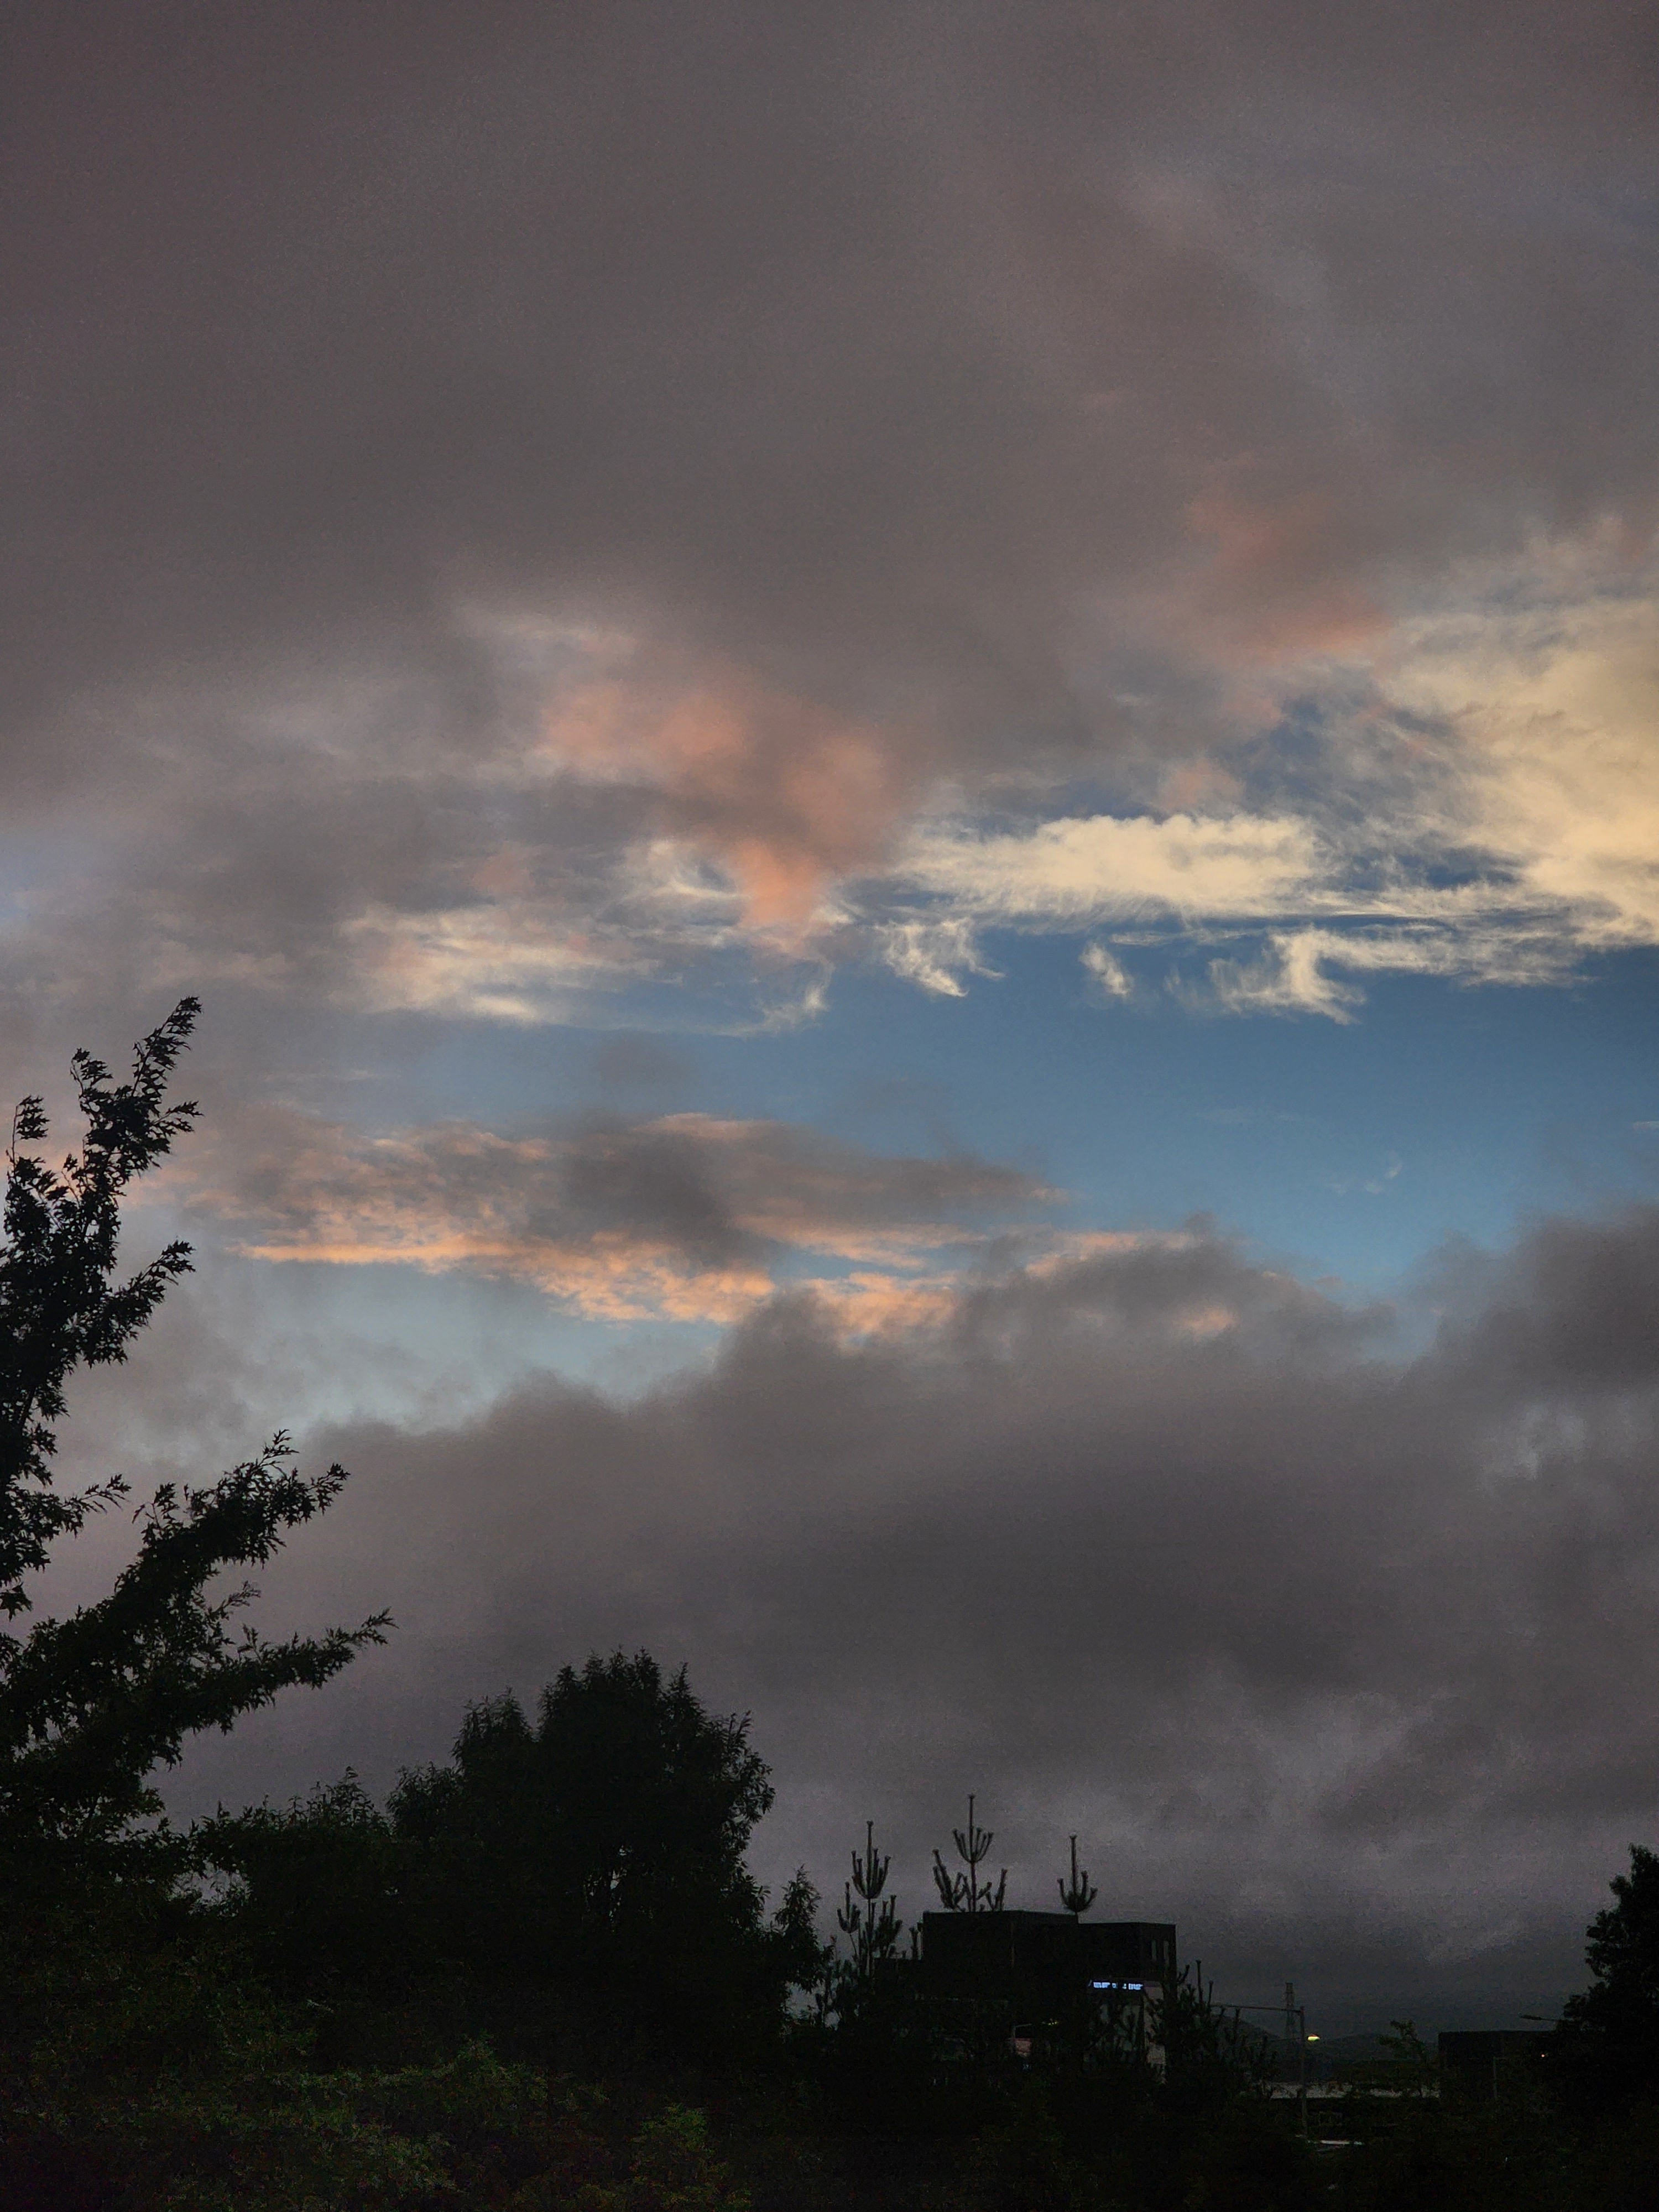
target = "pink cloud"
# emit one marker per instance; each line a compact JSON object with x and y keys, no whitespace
{"x":1275,"y":588}
{"x":684,"y":1217}
{"x":782,"y":792}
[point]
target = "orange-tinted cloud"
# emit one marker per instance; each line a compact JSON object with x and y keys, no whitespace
{"x":684,"y":1217}
{"x":782,"y":793}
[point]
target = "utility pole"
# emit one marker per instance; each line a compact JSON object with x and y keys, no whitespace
{"x":1296,"y":2024}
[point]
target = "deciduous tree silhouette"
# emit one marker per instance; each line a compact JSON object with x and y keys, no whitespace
{"x":59,"y":1308}
{"x":89,"y":1706}
{"x":1606,"y":2047}
{"x":600,"y":1849}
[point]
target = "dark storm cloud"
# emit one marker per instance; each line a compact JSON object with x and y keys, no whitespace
{"x":457,"y":457}
{"x":1577,"y":1310}
{"x":1336,"y":1643}
{"x":886,"y":354}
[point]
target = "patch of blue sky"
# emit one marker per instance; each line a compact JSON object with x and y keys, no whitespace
{"x":1350,"y":1150}
{"x":1353,"y":1149}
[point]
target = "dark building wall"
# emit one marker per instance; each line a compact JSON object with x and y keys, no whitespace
{"x":1040,"y":1963}
{"x":1127,"y":1950}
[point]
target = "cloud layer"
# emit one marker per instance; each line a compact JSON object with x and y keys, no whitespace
{"x":513,"y":524}
{"x":1333,"y":1649}
{"x":684,"y":1216}
{"x":502,"y":511}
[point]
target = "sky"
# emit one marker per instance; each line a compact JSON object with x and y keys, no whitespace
{"x":910,"y":757}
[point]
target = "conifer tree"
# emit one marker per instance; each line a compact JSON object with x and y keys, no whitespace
{"x":966,"y":1893}
{"x":870,"y":1926}
{"x":1079,"y":1895}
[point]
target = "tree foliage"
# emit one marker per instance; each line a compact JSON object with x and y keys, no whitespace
{"x":963,"y":1892}
{"x":89,"y":1706}
{"x":320,"y":1894}
{"x":600,"y":1846}
{"x":1608,"y":2044}
{"x":60,"y":1308}
{"x":581,"y":1873}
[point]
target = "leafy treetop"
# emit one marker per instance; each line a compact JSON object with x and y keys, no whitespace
{"x":90,"y":1705}
{"x":59,"y":1308}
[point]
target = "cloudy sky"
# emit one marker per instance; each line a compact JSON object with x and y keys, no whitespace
{"x":909,"y":755}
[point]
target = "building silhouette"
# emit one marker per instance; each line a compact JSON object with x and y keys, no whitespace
{"x":1038,"y":1970}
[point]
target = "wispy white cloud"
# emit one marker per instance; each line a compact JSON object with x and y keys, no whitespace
{"x":936,"y":954}
{"x":1101,"y":868}
{"x":1488,"y":811}
{"x":503,"y":962}
{"x":1287,"y":977}
{"x":1555,"y":703}
{"x":1106,"y":972}
{"x":1300,"y":971}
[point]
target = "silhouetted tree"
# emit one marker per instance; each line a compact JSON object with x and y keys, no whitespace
{"x":1606,"y":2047}
{"x":89,"y":1706}
{"x":966,"y":1893}
{"x":871,"y":1925}
{"x":59,"y":1308}
{"x":1210,"y":2054}
{"x":324,"y":1894}
{"x":600,"y":1850}
{"x":1078,"y":1896}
